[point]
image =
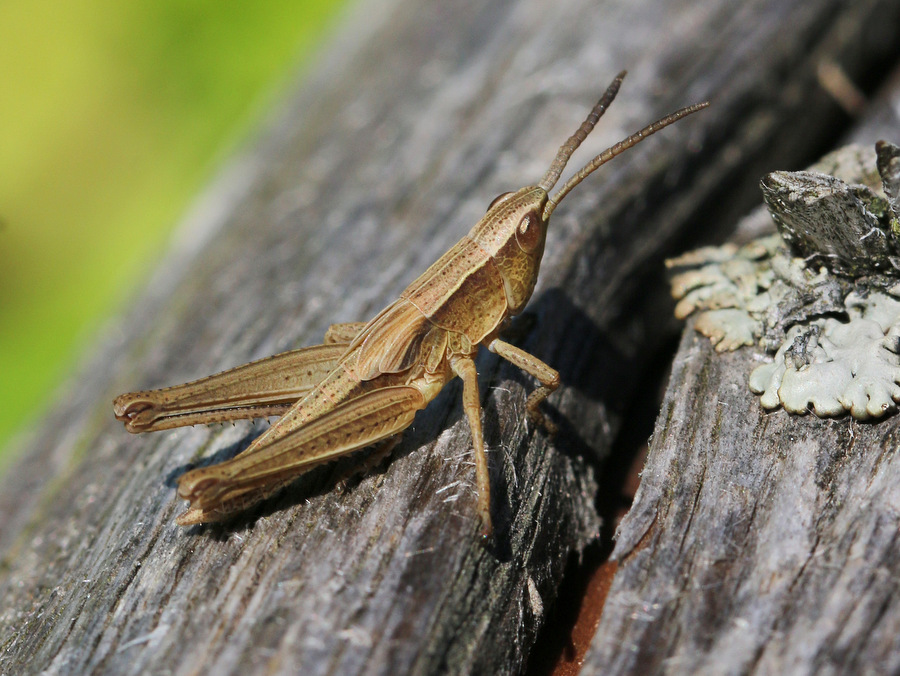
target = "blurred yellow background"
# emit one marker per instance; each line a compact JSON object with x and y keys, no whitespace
{"x":113,"y":115}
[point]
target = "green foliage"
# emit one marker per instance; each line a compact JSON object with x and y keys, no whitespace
{"x":114,"y":115}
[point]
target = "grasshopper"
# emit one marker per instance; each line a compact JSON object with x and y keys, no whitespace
{"x":363,"y":386}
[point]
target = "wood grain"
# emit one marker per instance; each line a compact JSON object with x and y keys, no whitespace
{"x":413,"y":120}
{"x":758,"y":542}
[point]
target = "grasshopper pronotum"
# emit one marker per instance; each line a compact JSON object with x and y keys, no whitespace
{"x":365,"y":384}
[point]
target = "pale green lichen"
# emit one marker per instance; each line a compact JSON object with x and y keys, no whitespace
{"x":746,"y":295}
{"x":833,"y":366}
{"x":823,"y":296}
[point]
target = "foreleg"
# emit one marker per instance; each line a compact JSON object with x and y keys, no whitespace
{"x":546,"y":376}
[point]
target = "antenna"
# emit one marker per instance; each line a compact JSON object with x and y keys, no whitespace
{"x":569,"y":147}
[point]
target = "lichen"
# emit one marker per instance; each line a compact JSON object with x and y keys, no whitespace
{"x":832,"y":365}
{"x":822,"y":295}
{"x":750,"y":294}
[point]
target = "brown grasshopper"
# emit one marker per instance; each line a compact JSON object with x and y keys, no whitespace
{"x":365,"y":384}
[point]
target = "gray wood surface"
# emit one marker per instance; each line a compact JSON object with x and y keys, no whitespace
{"x":758,"y":542}
{"x":413,"y":120}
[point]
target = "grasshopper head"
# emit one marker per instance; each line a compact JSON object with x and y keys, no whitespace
{"x":513,"y":231}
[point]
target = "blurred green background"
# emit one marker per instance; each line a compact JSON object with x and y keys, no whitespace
{"x":113,"y":115}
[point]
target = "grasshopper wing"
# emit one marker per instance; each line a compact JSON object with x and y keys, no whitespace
{"x":390,"y":343}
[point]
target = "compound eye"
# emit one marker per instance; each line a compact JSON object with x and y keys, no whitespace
{"x":502,"y":197}
{"x":528,"y":232}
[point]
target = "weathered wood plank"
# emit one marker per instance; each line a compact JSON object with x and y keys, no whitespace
{"x":416,"y":117}
{"x":758,"y":542}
